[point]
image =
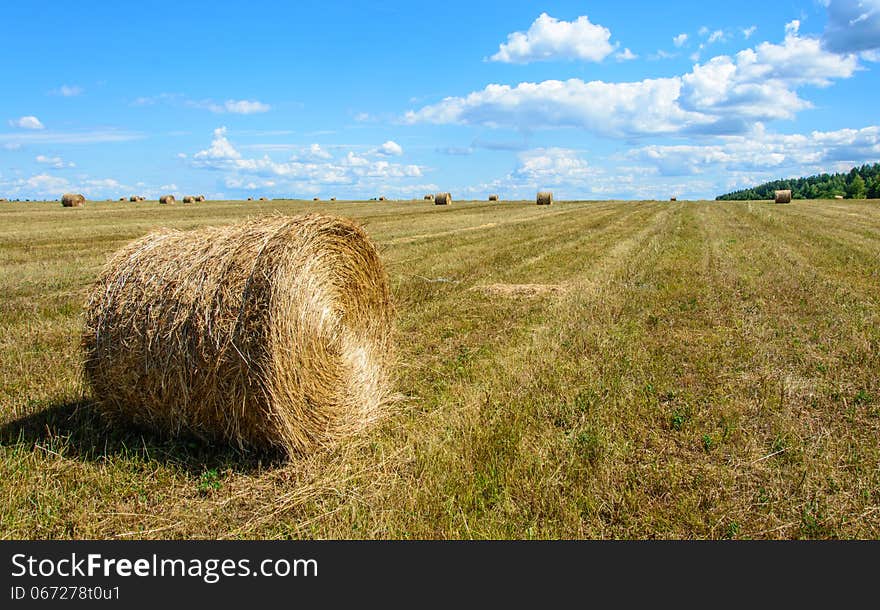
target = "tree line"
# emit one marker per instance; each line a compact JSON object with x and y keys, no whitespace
{"x":859,"y":183}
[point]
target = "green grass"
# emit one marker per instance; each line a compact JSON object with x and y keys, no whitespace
{"x":709,"y":370}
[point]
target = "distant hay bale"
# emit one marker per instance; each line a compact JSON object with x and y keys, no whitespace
{"x":333,"y":199}
{"x":493,"y":197}
{"x":673,"y":199}
{"x":122,"y":199}
{"x":264,"y":199}
{"x":429,"y":197}
{"x":250,"y":198}
{"x":167,"y":199}
{"x":838,"y":196}
{"x":382,"y":198}
{"x":200,"y":197}
{"x":72,"y":200}
{"x":442,"y":199}
{"x":189,"y":199}
{"x":545,"y":198}
{"x":271,"y":333}
{"x":783,"y":196}
{"x":316,"y":199}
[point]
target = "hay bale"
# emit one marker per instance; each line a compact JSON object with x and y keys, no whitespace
{"x":673,"y":199}
{"x":200,"y":198}
{"x":189,"y":199}
{"x":382,"y":198}
{"x":316,"y":199}
{"x":493,"y":197}
{"x":429,"y":197}
{"x":838,"y":196}
{"x":333,"y":199}
{"x":264,"y":199}
{"x":545,"y":198}
{"x":250,"y":198}
{"x":166,"y":199}
{"x":783,"y":196}
{"x":122,"y":199}
{"x":271,"y":333}
{"x":442,"y":199}
{"x":72,"y":200}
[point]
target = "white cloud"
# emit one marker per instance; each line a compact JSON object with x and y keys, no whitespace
{"x":68,"y":91}
{"x":792,"y":27}
{"x":56,"y":162}
{"x":716,"y":36}
{"x":680,"y":40}
{"x":307,"y":169}
{"x":391,"y":148}
{"x":723,"y":95}
{"x":70,"y":137}
{"x":27,"y":122}
{"x":853,"y":25}
{"x":545,"y":167}
{"x":765,"y":153}
{"x":229,"y":106}
{"x":549,"y":38}
{"x":245,"y":106}
{"x":747,"y":32}
{"x":220,"y":148}
{"x":625,"y":55}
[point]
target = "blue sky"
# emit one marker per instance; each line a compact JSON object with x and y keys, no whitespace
{"x":594,"y":100}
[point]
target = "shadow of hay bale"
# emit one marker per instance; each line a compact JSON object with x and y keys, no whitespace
{"x":76,"y":430}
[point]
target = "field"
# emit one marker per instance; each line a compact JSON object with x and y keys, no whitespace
{"x":585,"y":370}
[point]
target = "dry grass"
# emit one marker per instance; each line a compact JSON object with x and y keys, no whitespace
{"x":709,"y":371}
{"x":270,"y":333}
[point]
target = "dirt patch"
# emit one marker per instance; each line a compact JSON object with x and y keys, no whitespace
{"x":520,"y":290}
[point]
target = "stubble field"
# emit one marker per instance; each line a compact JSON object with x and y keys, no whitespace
{"x":585,"y":370}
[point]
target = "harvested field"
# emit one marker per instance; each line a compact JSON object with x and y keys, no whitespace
{"x":704,"y":370}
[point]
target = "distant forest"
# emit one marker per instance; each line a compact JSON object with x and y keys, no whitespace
{"x":859,"y":183}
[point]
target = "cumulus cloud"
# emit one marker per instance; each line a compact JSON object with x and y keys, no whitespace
{"x":625,"y":55}
{"x":853,"y":25}
{"x":27,"y":122}
{"x":551,"y":167}
{"x":391,"y":148}
{"x":56,"y":162}
{"x":723,"y":95}
{"x":307,"y":168}
{"x":765,"y":152}
{"x":549,"y":38}
{"x":220,"y":148}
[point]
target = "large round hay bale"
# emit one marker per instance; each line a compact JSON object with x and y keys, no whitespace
{"x":271,"y":333}
{"x":250,"y":198}
{"x":838,"y":197}
{"x":493,"y":197}
{"x":200,"y":197}
{"x":429,"y":197}
{"x":783,"y":196}
{"x":545,"y":198}
{"x":166,"y":199}
{"x":72,"y":200}
{"x":189,"y":199}
{"x":442,"y":199}
{"x":382,"y":198}
{"x":333,"y":199}
{"x":316,"y":199}
{"x":264,"y":199}
{"x":673,"y":199}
